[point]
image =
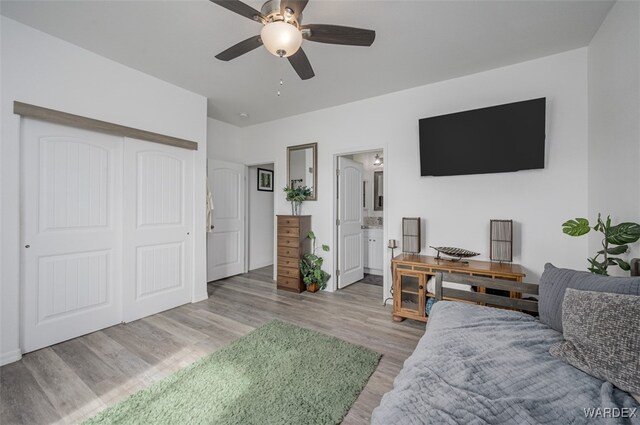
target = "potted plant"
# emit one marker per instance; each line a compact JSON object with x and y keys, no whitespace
{"x":615,"y":241}
{"x":311,"y":267}
{"x":297,"y":195}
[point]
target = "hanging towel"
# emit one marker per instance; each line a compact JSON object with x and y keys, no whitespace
{"x":209,"y":210}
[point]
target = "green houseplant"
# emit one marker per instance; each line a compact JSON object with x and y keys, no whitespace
{"x":311,"y":267}
{"x":615,"y":241}
{"x":297,"y":195}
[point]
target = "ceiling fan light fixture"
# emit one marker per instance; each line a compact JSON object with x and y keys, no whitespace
{"x":378,"y":160}
{"x":281,"y":39}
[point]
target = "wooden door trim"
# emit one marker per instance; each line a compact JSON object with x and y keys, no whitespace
{"x":78,"y":121}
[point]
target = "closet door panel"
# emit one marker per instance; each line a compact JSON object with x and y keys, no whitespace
{"x":72,"y":232}
{"x":158,"y":228}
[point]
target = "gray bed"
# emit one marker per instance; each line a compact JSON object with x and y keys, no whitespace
{"x":481,"y":365}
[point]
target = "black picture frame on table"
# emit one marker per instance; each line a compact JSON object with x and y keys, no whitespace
{"x":265,"y":180}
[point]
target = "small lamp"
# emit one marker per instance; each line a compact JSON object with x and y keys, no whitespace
{"x":393,"y":244}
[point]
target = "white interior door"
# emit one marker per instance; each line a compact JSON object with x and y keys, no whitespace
{"x":158,"y":228}
{"x":225,"y":245}
{"x":350,"y":235}
{"x":72,"y":231}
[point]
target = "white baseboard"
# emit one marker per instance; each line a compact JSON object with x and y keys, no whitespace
{"x":200,"y":297}
{"x":260,"y":265}
{"x":376,"y":272}
{"x":10,"y":357}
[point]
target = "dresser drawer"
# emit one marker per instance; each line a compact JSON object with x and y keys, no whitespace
{"x":284,"y":251}
{"x":289,"y":282}
{"x":293,"y":261}
{"x":289,"y":242}
{"x":292,"y":232}
{"x":288,"y":222}
{"x":288,"y":272}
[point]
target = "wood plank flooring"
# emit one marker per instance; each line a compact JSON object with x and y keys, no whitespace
{"x":74,"y":380}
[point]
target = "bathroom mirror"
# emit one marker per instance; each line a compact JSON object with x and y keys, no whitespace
{"x":302,"y":164}
{"x":378,"y":193}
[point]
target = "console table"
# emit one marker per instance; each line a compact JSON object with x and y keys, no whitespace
{"x":411,"y":273}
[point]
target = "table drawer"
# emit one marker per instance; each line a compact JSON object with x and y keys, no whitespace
{"x":293,"y":261}
{"x":289,"y":242}
{"x":284,"y":251}
{"x":288,"y":282}
{"x":288,"y":222}
{"x":292,"y":232}
{"x":288,"y":272}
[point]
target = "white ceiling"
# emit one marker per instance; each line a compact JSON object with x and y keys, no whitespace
{"x":417,"y":42}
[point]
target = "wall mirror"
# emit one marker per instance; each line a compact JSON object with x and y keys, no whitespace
{"x":378,"y":194}
{"x":302,"y":164}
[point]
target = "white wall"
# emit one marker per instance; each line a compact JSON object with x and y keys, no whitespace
{"x":223,"y":141}
{"x":614,"y":120}
{"x":261,"y":221}
{"x":45,"y":71}
{"x":456,"y":209}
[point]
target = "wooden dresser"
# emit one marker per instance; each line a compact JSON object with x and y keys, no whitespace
{"x":292,"y":245}
{"x":411,"y":273}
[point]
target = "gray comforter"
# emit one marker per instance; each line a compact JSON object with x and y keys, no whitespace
{"x":480,"y":365}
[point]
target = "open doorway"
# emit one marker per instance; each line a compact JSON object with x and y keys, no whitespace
{"x":260,"y":219}
{"x":360,"y":224}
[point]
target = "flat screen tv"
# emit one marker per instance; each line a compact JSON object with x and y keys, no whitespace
{"x":497,"y":139}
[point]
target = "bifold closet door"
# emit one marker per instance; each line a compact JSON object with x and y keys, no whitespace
{"x":158,"y":230}
{"x":71,"y":232}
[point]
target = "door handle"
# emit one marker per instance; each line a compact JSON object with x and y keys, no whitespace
{"x":212,"y":227}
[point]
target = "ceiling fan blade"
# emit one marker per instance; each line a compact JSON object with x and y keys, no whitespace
{"x":240,"y":49}
{"x":301,"y":64}
{"x":296,"y":6}
{"x":336,"y":34}
{"x":241,"y":9}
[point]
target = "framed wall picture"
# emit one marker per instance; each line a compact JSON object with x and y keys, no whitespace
{"x":265,"y":180}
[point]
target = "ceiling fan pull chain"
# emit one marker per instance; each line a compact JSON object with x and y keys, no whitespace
{"x":281,"y":80}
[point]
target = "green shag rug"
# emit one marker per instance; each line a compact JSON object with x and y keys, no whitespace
{"x":277,"y":374}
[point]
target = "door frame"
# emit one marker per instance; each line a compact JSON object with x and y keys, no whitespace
{"x":246,"y":216}
{"x":386,"y":276}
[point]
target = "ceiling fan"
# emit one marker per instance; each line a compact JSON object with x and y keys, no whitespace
{"x":282,"y":32}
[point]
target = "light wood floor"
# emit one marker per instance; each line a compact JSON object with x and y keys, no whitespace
{"x":74,"y":380}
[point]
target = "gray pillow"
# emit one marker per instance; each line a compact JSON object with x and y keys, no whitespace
{"x":602,"y":336}
{"x":555,"y":281}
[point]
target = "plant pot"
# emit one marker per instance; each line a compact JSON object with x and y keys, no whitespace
{"x":313,"y":287}
{"x":296,"y":208}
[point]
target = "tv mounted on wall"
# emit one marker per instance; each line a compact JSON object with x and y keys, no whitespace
{"x":497,"y":139}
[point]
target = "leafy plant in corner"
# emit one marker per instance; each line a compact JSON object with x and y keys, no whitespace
{"x":297,"y":195}
{"x":616,"y":241}
{"x":311,"y":267}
